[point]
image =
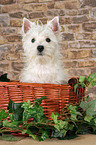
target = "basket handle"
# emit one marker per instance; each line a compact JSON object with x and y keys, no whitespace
{"x":72,"y":81}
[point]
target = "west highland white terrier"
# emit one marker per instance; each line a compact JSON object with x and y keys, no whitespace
{"x":41,"y":45}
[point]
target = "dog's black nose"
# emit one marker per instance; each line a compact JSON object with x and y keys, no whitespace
{"x":40,"y":48}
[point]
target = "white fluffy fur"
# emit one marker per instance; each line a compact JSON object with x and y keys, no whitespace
{"x":45,"y":68}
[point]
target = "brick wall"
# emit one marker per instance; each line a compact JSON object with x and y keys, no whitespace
{"x":78,"y":21}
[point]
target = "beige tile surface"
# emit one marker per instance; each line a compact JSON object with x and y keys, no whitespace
{"x":88,"y":139}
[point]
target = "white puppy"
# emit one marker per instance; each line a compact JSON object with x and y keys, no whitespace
{"x":41,"y":45}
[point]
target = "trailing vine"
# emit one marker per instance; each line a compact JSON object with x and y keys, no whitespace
{"x":79,"y":119}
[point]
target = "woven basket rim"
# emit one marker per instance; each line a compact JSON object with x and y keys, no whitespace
{"x":35,"y":84}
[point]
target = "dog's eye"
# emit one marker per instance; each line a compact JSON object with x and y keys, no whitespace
{"x":48,"y":40}
{"x":33,"y":40}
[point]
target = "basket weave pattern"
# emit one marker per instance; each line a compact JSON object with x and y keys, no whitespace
{"x":58,"y":96}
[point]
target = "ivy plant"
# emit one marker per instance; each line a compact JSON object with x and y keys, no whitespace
{"x":28,"y":118}
{"x":75,"y":122}
{"x":86,"y":81}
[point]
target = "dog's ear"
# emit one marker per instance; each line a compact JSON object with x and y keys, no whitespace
{"x":26,"y":25}
{"x":54,"y":23}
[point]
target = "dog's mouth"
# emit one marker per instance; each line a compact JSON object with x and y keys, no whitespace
{"x":40,"y":54}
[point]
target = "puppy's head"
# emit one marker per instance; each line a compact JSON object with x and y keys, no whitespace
{"x":40,"y":42}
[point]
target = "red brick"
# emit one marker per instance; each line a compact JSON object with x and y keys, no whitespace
{"x":17,"y":66}
{"x":35,"y":7}
{"x":55,"y":12}
{"x":6,"y":31}
{"x":70,"y":64}
{"x":4,"y":2}
{"x":74,"y":45}
{"x":83,"y":11}
{"x":71,"y":12}
{"x":11,"y":8}
{"x":12,"y":56}
{"x":84,"y":36}
{"x":79,"y":72}
{"x":50,"y":5}
{"x":89,"y":26}
{"x":13,"y":38}
{"x":18,"y":14}
{"x":80,"y":19}
{"x":94,"y":53}
{"x":59,"y":5}
{"x":34,"y":15}
{"x":2,"y":40}
{"x":18,"y":47}
{"x":89,"y":3}
{"x":4,"y":66}
{"x":88,"y":63}
{"x":65,"y":20}
{"x":27,"y":1}
{"x":87,"y":44}
{"x":67,"y":36}
{"x":4,"y":20}
{"x":71,"y":4}
{"x":79,"y":54}
{"x":74,"y":28}
{"x":16,"y":22}
{"x":41,"y":1}
{"x":43,"y":20}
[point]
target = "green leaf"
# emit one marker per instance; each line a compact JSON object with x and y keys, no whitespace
{"x":89,"y":107}
{"x":71,"y":126}
{"x":27,"y":114}
{"x":93,"y":83}
{"x":63,"y":124}
{"x":58,"y":134}
{"x":8,"y":137}
{"x":74,"y":112}
{"x":87,"y":98}
{"x":26,"y":105}
{"x":92,"y":79}
{"x":83,"y":105}
{"x":16,"y":110}
{"x":1,"y":124}
{"x":82,"y":79}
{"x":88,"y":118}
{"x":33,"y":111}
{"x":95,"y":120}
{"x":45,"y":134}
{"x":75,"y":87}
{"x":89,"y":78}
{"x":57,"y":126}
{"x":73,"y":117}
{"x":54,"y":117}
{"x":72,"y":108}
{"x":27,"y":131}
{"x":94,"y":75}
{"x":57,"y":114}
{"x":24,"y":131}
{"x":33,"y":136}
{"x":3,"y":114}
{"x":13,"y":125}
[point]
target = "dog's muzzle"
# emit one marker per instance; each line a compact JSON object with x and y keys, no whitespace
{"x":40,"y":49}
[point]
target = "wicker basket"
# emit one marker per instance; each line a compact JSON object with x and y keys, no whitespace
{"x":58,"y":96}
